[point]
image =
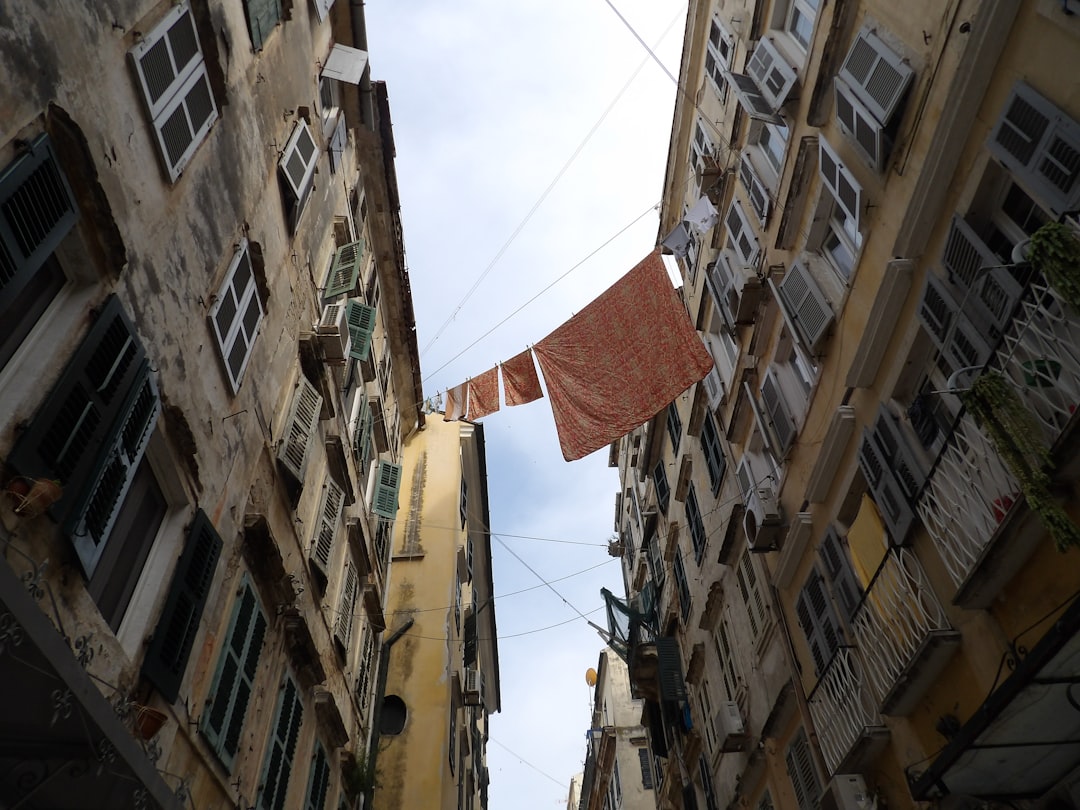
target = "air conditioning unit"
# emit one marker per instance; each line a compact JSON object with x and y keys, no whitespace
{"x":474,"y":687}
{"x":730,"y":732}
{"x":847,"y":792}
{"x":743,"y":290}
{"x":762,"y":522}
{"x":333,"y":332}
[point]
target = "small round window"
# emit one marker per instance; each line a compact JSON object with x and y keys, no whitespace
{"x":392,"y":717}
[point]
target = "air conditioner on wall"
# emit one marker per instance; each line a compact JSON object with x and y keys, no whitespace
{"x":474,"y":687}
{"x":333,"y":332}
{"x":847,"y":791}
{"x":730,"y":731}
{"x":762,"y":521}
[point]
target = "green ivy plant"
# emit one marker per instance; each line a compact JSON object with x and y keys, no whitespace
{"x":1001,"y":413}
{"x":357,"y":775}
{"x":1055,"y":252}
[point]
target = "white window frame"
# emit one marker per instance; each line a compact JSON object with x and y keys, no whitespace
{"x":738,"y":227}
{"x":807,"y":9}
{"x":771,"y":141}
{"x":237,"y":330}
{"x":756,"y":190}
{"x":185,"y":78}
{"x":772,"y":73}
{"x":701,"y":148}
{"x":841,"y":183}
{"x":299,"y":190}
{"x":715,"y":52}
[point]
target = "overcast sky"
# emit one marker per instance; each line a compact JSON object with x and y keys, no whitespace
{"x":490,"y":100}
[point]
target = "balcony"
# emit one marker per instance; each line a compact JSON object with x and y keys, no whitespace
{"x":903,"y":634}
{"x":845,"y":715}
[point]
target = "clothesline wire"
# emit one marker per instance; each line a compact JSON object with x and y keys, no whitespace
{"x":543,"y":196}
{"x":524,"y":761}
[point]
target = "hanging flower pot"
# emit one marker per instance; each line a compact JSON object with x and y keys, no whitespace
{"x":33,"y":495}
{"x":148,"y":722}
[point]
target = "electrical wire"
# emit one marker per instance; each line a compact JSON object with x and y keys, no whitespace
{"x":524,"y":761}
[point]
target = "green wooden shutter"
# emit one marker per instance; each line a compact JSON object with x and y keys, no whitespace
{"x":361,"y":320}
{"x":279,"y":758}
{"x":37,"y":210}
{"x":262,"y":16}
{"x":670,"y":673}
{"x":318,"y":780}
{"x":166,"y":659}
{"x":387,"y":483}
{"x":300,"y":426}
{"x":347,"y":606}
{"x":234,"y":679}
{"x":818,"y":621}
{"x":345,"y":270}
{"x":800,"y":768}
{"x":362,"y":433}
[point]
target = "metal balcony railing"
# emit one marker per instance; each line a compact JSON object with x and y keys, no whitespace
{"x":897,"y":624}
{"x":966,"y":497}
{"x":843,"y":708}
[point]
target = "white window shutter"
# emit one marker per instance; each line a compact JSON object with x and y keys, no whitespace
{"x":755,"y":189}
{"x":994,"y":293}
{"x":745,"y":476}
{"x":298,"y":160}
{"x":1040,"y":146}
{"x":322,"y":8}
{"x":772,"y":73}
{"x":877,"y":75}
{"x":778,"y":412}
{"x":300,"y":427}
{"x":884,"y":487}
{"x":344,"y":624}
{"x":805,"y":305}
{"x":236,"y":315}
{"x":329,"y":514}
{"x":845,"y":189}
{"x":751,"y":99}
{"x":741,"y":236}
{"x":859,"y":125}
{"x":937,"y":309}
{"x":714,"y":387}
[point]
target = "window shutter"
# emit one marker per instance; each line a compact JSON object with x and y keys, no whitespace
{"x":169,"y":64}
{"x":329,"y":516}
{"x":470,"y":640}
{"x":840,"y":181}
{"x":806,"y":306}
{"x":322,"y":8}
{"x":755,"y":189}
{"x":361,"y":320}
{"x":885,"y":489}
{"x":741,"y":236}
{"x":345,"y":270}
{"x":683,"y":586}
{"x":338,"y":141}
{"x":910,"y":473}
{"x":300,"y":426}
{"x":263,"y":16}
{"x":236,"y":315}
{"x":745,"y":477}
{"x":778,"y":412}
{"x":387,"y":483}
{"x":859,"y":125}
{"x":818,"y":621}
{"x":994,"y":294}
{"x":751,"y":99}
{"x":877,"y":75}
{"x":845,"y":586}
{"x":37,"y":210}
{"x":279,"y":758}
{"x":362,"y":432}
{"x":670,"y":672}
{"x":773,"y":75}
{"x":800,"y":768}
{"x":234,"y":680}
{"x":166,"y":659}
{"x":1040,"y":145}
{"x":741,"y":573}
{"x":297,"y":162}
{"x":646,"y":769}
{"x":318,"y":781}
{"x":936,"y":309}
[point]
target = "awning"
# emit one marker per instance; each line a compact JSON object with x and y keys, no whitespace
{"x":62,"y":744}
{"x":1025,"y":738}
{"x":345,"y":64}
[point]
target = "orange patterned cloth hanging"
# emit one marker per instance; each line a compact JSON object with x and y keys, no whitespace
{"x":520,"y":383}
{"x":619,"y":361}
{"x":484,"y":394}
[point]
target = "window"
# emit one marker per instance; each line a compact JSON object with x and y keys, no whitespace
{"x":656,"y":564}
{"x":800,"y":768}
{"x":701,"y":148}
{"x":771,"y":73}
{"x":697,"y":528}
{"x":363,"y":674}
{"x":840,"y":181}
{"x":1040,"y":146}
{"x":663,"y":491}
{"x":818,"y":621}
{"x":646,"y":768}
{"x":279,"y":758}
{"x":616,"y":785}
{"x":715,"y":462}
{"x":805,"y":306}
{"x":751,"y":99}
{"x":706,"y":717}
{"x":756,"y":191}
{"x":756,"y":605}
{"x":778,"y":413}
{"x":683,"y":586}
{"x":718,"y":53}
{"x":771,"y":140}
{"x":236,"y":314}
{"x":170,"y":647}
{"x":799,"y":22}
{"x":172,"y":75}
{"x":674,"y":426}
{"x":893,"y":472}
{"x":722,"y":638}
{"x":344,"y":270}
{"x":846,"y":587}
{"x":322,"y":8}
{"x":234,"y":679}
{"x":457,"y":605}
{"x":326,"y":526}
{"x":301,"y":425}
{"x":741,"y":237}
{"x":346,"y":608}
{"x":318,"y":780}
{"x":707,"y":782}
{"x":37,"y":210}
{"x":869,"y":88}
{"x":297,"y":167}
{"x":384,"y":501}
{"x":363,"y":425}
{"x":262,"y":17}
{"x":463,"y":501}
{"x":92,"y":431}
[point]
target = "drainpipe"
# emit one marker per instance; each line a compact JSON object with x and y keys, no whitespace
{"x":359,"y":33}
{"x":380,"y":693}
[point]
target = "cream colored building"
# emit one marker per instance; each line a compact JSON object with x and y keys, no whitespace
{"x":866,"y":609}
{"x":442,"y":682}
{"x":208,"y":345}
